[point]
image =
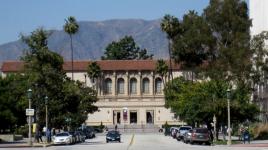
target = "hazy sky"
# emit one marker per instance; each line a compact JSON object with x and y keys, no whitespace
{"x":24,"y":16}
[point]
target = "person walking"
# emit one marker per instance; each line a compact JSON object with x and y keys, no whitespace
{"x":48,"y":135}
{"x":246,"y":136}
{"x":40,"y":136}
{"x":115,"y":127}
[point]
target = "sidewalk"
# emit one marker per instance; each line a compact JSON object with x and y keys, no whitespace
{"x":21,"y":144}
{"x":255,"y":143}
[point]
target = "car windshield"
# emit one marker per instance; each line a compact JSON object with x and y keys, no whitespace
{"x":185,"y":128}
{"x":201,"y":130}
{"x":113,"y":132}
{"x":62,"y":134}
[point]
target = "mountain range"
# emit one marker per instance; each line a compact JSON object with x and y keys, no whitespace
{"x":93,"y":37}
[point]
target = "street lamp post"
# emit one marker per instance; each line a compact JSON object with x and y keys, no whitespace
{"x":29,"y":94}
{"x":46,"y":98}
{"x":214,"y":119}
{"x":229,"y":142}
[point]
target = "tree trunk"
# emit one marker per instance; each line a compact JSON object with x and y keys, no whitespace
{"x":72,"y":56}
{"x":170,"y":63}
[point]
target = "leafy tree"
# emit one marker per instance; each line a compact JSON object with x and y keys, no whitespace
{"x":197,"y":102}
{"x":194,"y":45}
{"x":259,"y":59}
{"x":65,"y":98}
{"x":71,"y":27}
{"x":44,"y":69}
{"x":12,"y":102}
{"x":171,"y":26}
{"x":230,"y":25}
{"x":162,"y":69}
{"x":94,"y":72}
{"x":125,"y":49}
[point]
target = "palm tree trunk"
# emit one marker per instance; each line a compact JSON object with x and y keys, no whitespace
{"x":170,"y":65}
{"x":72,"y":56}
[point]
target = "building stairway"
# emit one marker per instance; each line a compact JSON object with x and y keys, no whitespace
{"x":135,"y":128}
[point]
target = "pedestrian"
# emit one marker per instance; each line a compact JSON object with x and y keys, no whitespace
{"x":246,"y":136}
{"x":40,"y":135}
{"x":115,"y":127}
{"x":211,"y":136}
{"x":48,"y":135}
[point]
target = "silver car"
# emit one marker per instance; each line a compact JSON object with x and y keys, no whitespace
{"x":182,"y":130}
{"x":62,"y":138}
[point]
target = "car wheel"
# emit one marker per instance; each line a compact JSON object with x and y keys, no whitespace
{"x":119,"y":140}
{"x":107,"y":141}
{"x":208,"y":143}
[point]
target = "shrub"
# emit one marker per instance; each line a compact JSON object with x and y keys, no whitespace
{"x":260,"y":132}
{"x":22,"y":130}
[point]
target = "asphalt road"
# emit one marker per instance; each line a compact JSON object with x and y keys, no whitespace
{"x":141,"y":142}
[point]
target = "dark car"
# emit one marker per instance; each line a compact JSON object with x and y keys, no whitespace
{"x":113,"y":136}
{"x":200,"y":135}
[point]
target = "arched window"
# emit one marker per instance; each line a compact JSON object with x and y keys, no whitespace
{"x":133,"y":86}
{"x":158,"y":86}
{"x":108,"y":86}
{"x":145,"y":86}
{"x":120,"y":86}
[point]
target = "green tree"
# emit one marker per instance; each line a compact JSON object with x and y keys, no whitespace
{"x":94,"y":72}
{"x":171,"y":26}
{"x":162,"y":69}
{"x":71,"y":27}
{"x":125,"y":49}
{"x":259,"y":59}
{"x":230,"y":25}
{"x":43,"y":69}
{"x":195,"y":103}
{"x":194,"y":45}
{"x":12,"y":102}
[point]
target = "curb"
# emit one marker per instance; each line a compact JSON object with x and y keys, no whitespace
{"x":23,"y":146}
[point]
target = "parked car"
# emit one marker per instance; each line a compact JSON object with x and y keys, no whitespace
{"x":82,"y":136}
{"x":63,"y":138}
{"x":181,"y":132}
{"x":173,"y":131}
{"x":90,"y":132}
{"x":74,"y":136}
{"x":113,"y":136}
{"x":200,"y":135}
{"x":187,"y":136}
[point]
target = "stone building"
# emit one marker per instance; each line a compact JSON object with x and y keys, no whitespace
{"x":129,"y":91}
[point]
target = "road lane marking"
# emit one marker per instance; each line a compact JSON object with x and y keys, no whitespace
{"x":131,"y":141}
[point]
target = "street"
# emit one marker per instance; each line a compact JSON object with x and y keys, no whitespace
{"x":139,"y":142}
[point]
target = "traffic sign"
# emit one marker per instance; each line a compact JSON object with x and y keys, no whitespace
{"x":29,"y":112}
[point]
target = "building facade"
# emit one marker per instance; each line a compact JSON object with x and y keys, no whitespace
{"x":129,"y":91}
{"x":258,"y":12}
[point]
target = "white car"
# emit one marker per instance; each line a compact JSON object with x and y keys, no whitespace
{"x":62,"y":138}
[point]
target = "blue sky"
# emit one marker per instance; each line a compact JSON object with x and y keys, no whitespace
{"x":24,"y":16}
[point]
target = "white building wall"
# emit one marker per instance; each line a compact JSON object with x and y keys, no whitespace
{"x":258,"y":12}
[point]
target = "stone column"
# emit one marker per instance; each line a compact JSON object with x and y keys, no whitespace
{"x":126,"y":88}
{"x":151,"y":86}
{"x":114,"y":82}
{"x":139,"y":84}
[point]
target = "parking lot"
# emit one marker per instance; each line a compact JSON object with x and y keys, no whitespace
{"x":141,"y":142}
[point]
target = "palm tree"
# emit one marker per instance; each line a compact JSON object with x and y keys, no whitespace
{"x":162,"y":69}
{"x":71,"y":27}
{"x":94,"y":72}
{"x":170,"y":25}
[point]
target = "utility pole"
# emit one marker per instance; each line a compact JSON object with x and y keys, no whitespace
{"x":229,"y":142}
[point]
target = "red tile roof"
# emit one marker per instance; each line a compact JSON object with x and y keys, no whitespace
{"x":106,"y":65}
